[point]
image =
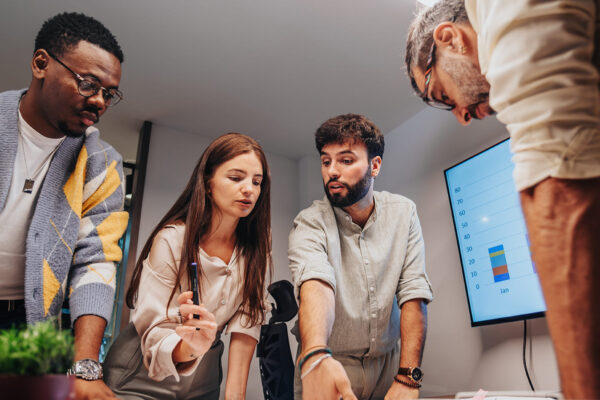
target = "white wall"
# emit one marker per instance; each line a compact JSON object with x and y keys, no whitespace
{"x":172,"y":157}
{"x":457,"y":357}
{"x":121,"y":133}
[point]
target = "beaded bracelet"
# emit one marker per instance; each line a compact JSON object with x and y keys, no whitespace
{"x":318,"y":346}
{"x":312,"y":353}
{"x":410,"y":384}
{"x":315,"y":365}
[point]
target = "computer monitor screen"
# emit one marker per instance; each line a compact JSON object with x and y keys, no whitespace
{"x":500,"y":278}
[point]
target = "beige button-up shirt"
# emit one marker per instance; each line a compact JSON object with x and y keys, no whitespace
{"x":541,"y":60}
{"x":373,"y":270}
{"x":221,"y":293}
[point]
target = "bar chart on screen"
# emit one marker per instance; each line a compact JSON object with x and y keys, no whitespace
{"x":500,"y":276}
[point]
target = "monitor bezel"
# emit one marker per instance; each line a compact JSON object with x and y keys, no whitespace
{"x":512,"y":318}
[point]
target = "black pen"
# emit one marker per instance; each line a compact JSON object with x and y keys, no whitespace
{"x":195,"y":296}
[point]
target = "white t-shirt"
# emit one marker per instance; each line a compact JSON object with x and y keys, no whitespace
{"x":34,"y":152}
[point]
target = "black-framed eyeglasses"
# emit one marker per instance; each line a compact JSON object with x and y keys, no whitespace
{"x":89,"y":86}
{"x":439,"y":104}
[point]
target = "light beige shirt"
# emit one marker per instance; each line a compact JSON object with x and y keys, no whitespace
{"x":373,"y":270}
{"x":221,"y":293}
{"x":539,"y":58}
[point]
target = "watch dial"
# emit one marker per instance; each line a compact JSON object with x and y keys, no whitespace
{"x":417,"y":374}
{"x":90,"y":369}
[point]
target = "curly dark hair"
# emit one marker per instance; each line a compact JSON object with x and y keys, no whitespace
{"x":351,"y":127}
{"x":63,"y":31}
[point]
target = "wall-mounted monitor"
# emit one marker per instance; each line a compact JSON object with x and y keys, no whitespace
{"x":500,"y":278}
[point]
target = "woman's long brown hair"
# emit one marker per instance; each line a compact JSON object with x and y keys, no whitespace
{"x":194,"y":209}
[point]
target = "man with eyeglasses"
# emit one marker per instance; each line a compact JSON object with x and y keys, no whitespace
{"x":536,"y":63}
{"x":61,"y":192}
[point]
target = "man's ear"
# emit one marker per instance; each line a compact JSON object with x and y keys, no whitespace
{"x":449,"y":36}
{"x":39,"y":64}
{"x":375,"y":166}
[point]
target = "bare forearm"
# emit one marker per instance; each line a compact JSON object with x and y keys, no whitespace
{"x":413,"y":330}
{"x":241,"y":351}
{"x":316,"y":313}
{"x":89,"y":330}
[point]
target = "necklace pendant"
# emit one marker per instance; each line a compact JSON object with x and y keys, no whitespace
{"x":28,"y":186}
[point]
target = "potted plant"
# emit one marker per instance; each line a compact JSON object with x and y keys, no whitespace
{"x":34,"y":362}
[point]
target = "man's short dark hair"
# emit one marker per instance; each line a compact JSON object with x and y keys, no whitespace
{"x":64,"y":31}
{"x":353,"y":128}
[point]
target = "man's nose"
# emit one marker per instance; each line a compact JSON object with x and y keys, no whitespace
{"x":98,"y":101}
{"x":462,"y":115}
{"x":333,"y":171}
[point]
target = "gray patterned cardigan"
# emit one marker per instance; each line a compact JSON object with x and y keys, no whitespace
{"x":73,"y":236}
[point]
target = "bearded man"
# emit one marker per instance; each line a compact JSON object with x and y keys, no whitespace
{"x":535,"y":63}
{"x":357,"y":258}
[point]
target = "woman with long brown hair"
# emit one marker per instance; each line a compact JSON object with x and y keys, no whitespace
{"x":221,"y":222}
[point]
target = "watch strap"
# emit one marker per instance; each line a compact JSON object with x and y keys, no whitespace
{"x":414,"y":374}
{"x":409,"y":384}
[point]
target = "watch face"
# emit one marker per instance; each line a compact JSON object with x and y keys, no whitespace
{"x":88,"y":369}
{"x":417,"y":374}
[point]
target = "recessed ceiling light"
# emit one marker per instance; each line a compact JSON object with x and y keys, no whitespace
{"x":428,"y":3}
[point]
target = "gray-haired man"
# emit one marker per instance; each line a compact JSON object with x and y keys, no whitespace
{"x":536,"y":64}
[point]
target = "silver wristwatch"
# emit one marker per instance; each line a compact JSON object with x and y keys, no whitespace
{"x":87,"y":369}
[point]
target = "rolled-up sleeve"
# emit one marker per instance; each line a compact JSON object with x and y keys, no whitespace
{"x":413,"y":282}
{"x":307,"y":252}
{"x":239,"y":324}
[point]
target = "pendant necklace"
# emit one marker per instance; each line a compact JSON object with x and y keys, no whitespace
{"x":29,"y":182}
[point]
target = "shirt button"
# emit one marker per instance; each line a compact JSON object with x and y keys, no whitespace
{"x":223,"y":302}
{"x":371,"y":288}
{"x":374,"y":315}
{"x":372,"y":340}
{"x":228,"y":271}
{"x":367,"y":262}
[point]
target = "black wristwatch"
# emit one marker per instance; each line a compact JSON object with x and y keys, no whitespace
{"x":413,"y":373}
{"x":87,"y":369}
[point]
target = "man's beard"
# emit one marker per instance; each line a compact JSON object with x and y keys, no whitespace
{"x":355,"y":192}
{"x":68,"y":132}
{"x":474,"y":88}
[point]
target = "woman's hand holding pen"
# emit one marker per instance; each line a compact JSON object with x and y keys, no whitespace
{"x":197,"y":334}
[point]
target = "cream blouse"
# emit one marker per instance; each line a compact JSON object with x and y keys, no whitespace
{"x":221,"y":293}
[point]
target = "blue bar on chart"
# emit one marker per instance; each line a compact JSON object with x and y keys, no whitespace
{"x":499,"y":265}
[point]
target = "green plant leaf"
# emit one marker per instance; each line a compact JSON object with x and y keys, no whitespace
{"x":37,"y":349}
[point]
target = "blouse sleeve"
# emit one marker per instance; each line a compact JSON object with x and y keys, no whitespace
{"x":154,"y":323}
{"x":239,"y":322}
